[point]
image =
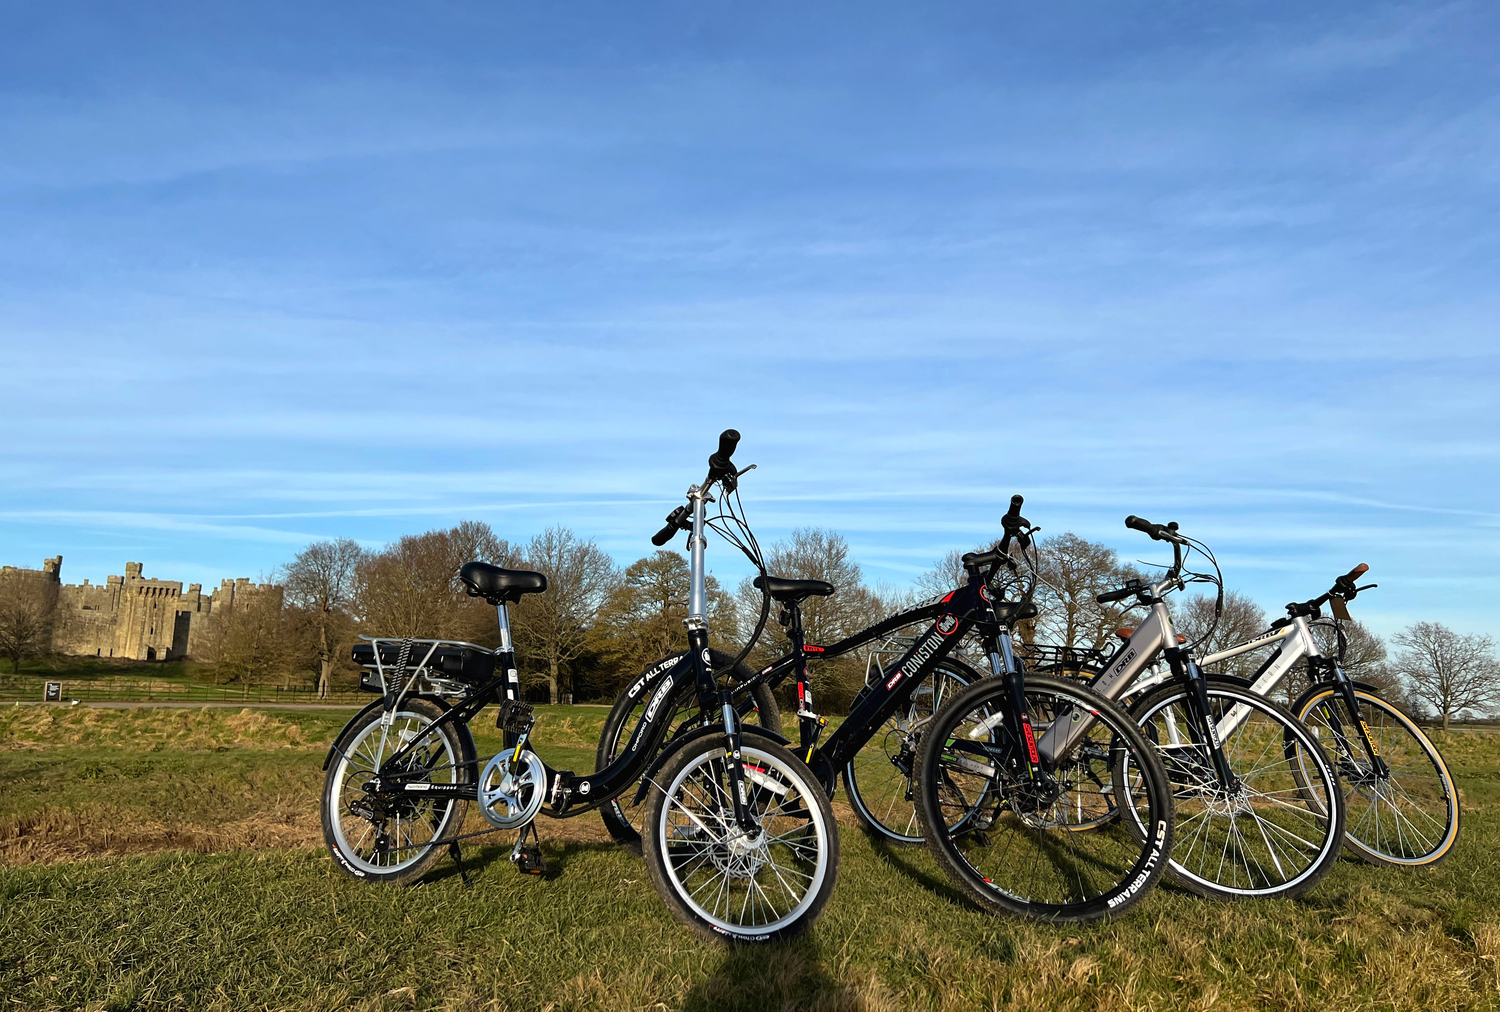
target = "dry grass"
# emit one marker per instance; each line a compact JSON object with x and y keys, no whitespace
{"x":206,"y":887}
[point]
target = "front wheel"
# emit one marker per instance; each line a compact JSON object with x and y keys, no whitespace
{"x":1407,"y":816}
{"x":721,"y":881}
{"x":1274,"y":828}
{"x":1013,"y":843}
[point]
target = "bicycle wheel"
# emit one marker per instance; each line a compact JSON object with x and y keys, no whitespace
{"x":622,"y":816}
{"x":1275,"y":829}
{"x":714,"y":877}
{"x":1406,"y":818}
{"x":879,"y":777}
{"x":1011,"y":843}
{"x":387,"y":838}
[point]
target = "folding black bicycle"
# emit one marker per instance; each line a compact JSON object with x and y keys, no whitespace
{"x":742,"y":842}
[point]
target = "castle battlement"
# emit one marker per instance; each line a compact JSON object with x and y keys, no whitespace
{"x":134,"y":616}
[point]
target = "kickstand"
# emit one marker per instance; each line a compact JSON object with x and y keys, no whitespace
{"x":528,"y":856}
{"x":458,"y":859}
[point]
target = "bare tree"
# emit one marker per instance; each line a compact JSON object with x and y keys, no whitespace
{"x":553,"y":628}
{"x":1450,"y":672}
{"x":321,"y":582}
{"x":248,"y":642}
{"x":1073,"y":571}
{"x":1242,"y":619}
{"x":26,"y":604}
{"x":411,"y":588}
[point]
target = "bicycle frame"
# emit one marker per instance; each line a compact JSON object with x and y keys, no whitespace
{"x":957,"y":613}
{"x":1154,"y":635}
{"x":1295,"y":643}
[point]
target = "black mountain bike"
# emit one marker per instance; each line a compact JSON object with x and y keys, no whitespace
{"x":1072,"y":877}
{"x":741,"y":844}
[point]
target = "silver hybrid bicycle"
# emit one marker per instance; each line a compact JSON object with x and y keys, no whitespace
{"x":1402,"y":805}
{"x":1259,"y":808}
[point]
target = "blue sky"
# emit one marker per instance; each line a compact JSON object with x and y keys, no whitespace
{"x":270,"y":274}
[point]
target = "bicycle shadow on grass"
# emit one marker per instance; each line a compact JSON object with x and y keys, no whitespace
{"x":776,"y":975}
{"x":902,"y":860}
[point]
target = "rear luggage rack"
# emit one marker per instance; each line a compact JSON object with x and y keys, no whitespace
{"x":440,"y":667}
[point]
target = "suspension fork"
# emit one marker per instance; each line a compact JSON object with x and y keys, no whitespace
{"x":1186,"y":669}
{"x":1003,"y":664}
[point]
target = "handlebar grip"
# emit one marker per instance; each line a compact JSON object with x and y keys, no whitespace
{"x":1014,"y":513}
{"x":719,"y":462}
{"x":664,"y":535}
{"x":1135,"y":523}
{"x":1111,"y":596}
{"x":1357,"y":572}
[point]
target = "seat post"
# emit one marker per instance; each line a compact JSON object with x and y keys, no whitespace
{"x":507,"y":651}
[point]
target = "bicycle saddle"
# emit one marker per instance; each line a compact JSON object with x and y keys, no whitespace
{"x":496,"y":585}
{"x":793,"y":591}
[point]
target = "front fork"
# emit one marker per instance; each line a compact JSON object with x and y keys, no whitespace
{"x":1345,"y":688}
{"x":710,"y":695}
{"x":1187,"y":670}
{"x":1003,"y":664}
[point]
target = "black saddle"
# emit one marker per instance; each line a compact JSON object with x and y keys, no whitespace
{"x":1014,"y":611}
{"x":793,"y":591}
{"x":497,"y":585}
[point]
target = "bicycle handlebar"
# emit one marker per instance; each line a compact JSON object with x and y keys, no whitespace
{"x":1157,"y":532}
{"x":720,"y":464}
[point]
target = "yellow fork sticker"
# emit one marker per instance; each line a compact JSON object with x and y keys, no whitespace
{"x":1370,"y":738}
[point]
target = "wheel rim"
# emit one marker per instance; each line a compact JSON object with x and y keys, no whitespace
{"x":1023,"y":843}
{"x":1406,"y":817}
{"x":378,"y":839}
{"x":879,"y":775}
{"x":744,"y":885}
{"x":1275,"y":829}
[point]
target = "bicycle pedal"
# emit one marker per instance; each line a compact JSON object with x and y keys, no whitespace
{"x":529,"y":860}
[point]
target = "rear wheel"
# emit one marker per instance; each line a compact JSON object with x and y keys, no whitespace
{"x":1409,"y":816}
{"x":622,"y":816}
{"x":718,"y":879}
{"x":879,"y":777}
{"x":1012,"y":843}
{"x":386,"y":836}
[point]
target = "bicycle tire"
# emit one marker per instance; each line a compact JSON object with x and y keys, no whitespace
{"x":1416,"y":842}
{"x":701,"y":863}
{"x":885,"y":805}
{"x":1043,"y":869}
{"x":350,"y":815}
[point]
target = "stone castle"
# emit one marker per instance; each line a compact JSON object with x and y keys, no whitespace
{"x":131,"y":616}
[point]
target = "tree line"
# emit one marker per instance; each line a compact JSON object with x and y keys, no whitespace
{"x":600,"y":623}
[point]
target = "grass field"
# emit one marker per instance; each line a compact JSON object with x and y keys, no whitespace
{"x":172,"y":859}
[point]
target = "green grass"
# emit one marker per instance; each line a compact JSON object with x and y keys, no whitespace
{"x":238,"y":917}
